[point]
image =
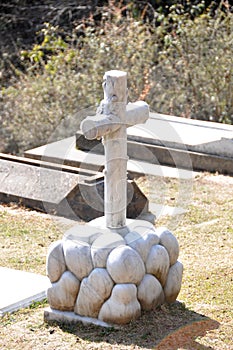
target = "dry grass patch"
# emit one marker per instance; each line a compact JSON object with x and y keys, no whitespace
{"x":204,"y":318}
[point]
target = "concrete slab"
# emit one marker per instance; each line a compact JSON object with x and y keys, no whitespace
{"x":177,"y":142}
{"x":20,"y":289}
{"x":65,"y":152}
{"x":59,"y":191}
{"x":180,"y":133}
{"x":139,"y":168}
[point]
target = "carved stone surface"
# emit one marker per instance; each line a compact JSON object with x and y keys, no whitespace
{"x":55,"y":264}
{"x":102,"y":246}
{"x":173,"y":283}
{"x":169,"y":241}
{"x":125,"y":265}
{"x":62,"y":294}
{"x":78,"y":258}
{"x":158,"y":263}
{"x":150,"y":293}
{"x":106,"y":263}
{"x":94,"y":290}
{"x":142,"y":243}
{"x":123,"y":306}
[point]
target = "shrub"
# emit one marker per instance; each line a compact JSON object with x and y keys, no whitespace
{"x":194,"y":76}
{"x":183,"y":69}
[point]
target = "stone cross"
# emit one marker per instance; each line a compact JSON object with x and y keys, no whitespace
{"x":113,"y":117}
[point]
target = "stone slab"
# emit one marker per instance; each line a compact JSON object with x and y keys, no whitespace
{"x":19,"y":289}
{"x":177,"y":142}
{"x":57,"y":190}
{"x":65,"y":152}
{"x":89,"y":160}
{"x":37,"y":183}
{"x":193,"y":135}
{"x":67,"y":317}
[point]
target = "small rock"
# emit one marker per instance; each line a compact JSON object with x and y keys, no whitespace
{"x":158,"y":263}
{"x":122,"y":307}
{"x":62,"y":295}
{"x":125,"y":265}
{"x":78,"y":258}
{"x":102,"y":246}
{"x":173,"y":283}
{"x":55,"y":263}
{"x":150,"y":293}
{"x":94,"y":290}
{"x":142,"y":242}
{"x":169,"y":241}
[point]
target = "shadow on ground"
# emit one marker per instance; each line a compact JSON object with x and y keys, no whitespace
{"x":166,"y":328}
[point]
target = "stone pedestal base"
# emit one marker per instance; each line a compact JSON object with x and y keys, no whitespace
{"x":69,"y":317}
{"x":111,"y":275}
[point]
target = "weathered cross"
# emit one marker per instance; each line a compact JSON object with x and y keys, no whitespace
{"x":113,"y":117}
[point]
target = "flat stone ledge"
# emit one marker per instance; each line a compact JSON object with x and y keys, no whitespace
{"x":19,"y":289}
{"x":68,"y":317}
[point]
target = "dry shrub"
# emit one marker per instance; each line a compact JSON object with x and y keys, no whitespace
{"x":184,"y":69}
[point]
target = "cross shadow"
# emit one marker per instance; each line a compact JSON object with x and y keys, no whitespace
{"x":169,"y":327}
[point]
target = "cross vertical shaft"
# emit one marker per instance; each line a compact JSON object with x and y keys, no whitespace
{"x":111,"y":122}
{"x":115,"y":145}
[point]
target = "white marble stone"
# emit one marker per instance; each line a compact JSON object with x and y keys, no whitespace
{"x":169,"y":241}
{"x":142,"y":243}
{"x":78,"y":258}
{"x":69,"y":317}
{"x":142,"y":227}
{"x":62,"y":294}
{"x":158,"y":263}
{"x":82,"y":233}
{"x":103,"y":245}
{"x":125,"y":265}
{"x":122,"y":307}
{"x":110,"y":123}
{"x":122,"y":264}
{"x":94,"y":290}
{"x":173,"y":283}
{"x":150,"y":293}
{"x":55,"y":262}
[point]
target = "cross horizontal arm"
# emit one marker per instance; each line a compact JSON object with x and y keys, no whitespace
{"x":94,"y":127}
{"x":100,"y":125}
{"x":136,"y":113}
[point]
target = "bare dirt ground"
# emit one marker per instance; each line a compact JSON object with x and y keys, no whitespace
{"x":203,"y":317}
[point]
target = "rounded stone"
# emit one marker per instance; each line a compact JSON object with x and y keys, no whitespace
{"x":173,"y":283}
{"x":78,"y":258}
{"x":122,"y":307}
{"x":158,"y":263}
{"x":94,"y":290}
{"x":150,"y":293}
{"x":102,"y":246}
{"x":169,"y":241}
{"x":55,"y":262}
{"x":62,"y":295}
{"x":142,"y":242}
{"x":125,"y":265}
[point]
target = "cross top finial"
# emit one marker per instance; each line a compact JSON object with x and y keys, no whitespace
{"x":111,"y":122}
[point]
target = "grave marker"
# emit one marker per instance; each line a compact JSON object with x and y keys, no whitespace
{"x":114,"y":267}
{"x":110,"y":123}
